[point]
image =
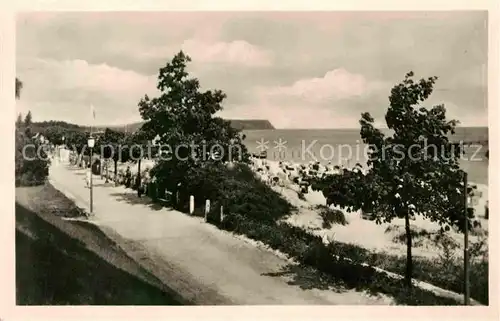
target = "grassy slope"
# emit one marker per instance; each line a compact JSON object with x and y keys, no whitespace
{"x":62,"y":262}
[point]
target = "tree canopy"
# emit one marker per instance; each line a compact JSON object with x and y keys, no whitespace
{"x":184,"y":118}
{"x":19,"y":87}
{"x":76,"y":140}
{"x":413,"y":172}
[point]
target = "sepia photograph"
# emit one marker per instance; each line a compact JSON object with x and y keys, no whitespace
{"x":252,"y":158}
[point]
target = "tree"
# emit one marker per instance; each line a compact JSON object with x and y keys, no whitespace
{"x":111,"y":147}
{"x":413,"y":172}
{"x":76,"y":141}
{"x":28,"y":121}
{"x":31,"y":162}
{"x":19,"y":87}
{"x":19,"y":121}
{"x":137,"y":148}
{"x":183,"y":117}
{"x":55,"y":134}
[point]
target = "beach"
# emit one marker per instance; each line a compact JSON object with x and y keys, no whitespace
{"x":365,"y":233}
{"x":345,"y":147}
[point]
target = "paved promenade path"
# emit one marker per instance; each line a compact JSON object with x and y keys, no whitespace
{"x":202,"y":263}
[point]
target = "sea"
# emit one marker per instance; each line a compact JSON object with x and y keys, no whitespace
{"x":345,"y":147}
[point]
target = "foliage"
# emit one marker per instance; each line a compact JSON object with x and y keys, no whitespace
{"x":138,"y":147}
{"x":27,"y":124}
{"x":445,"y":272}
{"x":418,"y":236}
{"x":413,"y":172}
{"x":19,"y":121}
{"x":236,"y":189}
{"x":55,"y":134}
{"x":31,"y":161}
{"x":19,"y":87}
{"x":333,"y":260}
{"x":44,"y":125}
{"x":76,"y":141}
{"x":112,"y":146}
{"x":183,"y":117}
{"x":330,"y":216}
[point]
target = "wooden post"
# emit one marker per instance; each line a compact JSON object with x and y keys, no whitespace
{"x":178,"y":195}
{"x":207,"y":209}
{"x":221,"y":213}
{"x":191,"y":205}
{"x":466,"y":245}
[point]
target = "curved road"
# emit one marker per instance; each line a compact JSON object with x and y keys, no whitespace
{"x":202,"y":263}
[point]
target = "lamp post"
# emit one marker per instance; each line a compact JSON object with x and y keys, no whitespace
{"x":466,"y":243}
{"x":91,"y":143}
{"x":59,"y":149}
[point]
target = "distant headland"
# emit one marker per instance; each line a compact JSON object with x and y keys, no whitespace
{"x":241,"y":124}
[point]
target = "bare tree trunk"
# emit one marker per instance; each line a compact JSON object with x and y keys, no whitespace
{"x":139,"y":172}
{"x":107,"y":169}
{"x":116,"y":171}
{"x":138,"y":179}
{"x":409,"y":260}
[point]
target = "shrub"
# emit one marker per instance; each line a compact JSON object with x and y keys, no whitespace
{"x":335,"y":259}
{"x":417,"y":237}
{"x":308,"y":249}
{"x":445,"y":272}
{"x":237,"y":190}
{"x":330,"y":216}
{"x":32,"y":169}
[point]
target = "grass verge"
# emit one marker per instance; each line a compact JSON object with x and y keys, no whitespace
{"x":333,"y":260}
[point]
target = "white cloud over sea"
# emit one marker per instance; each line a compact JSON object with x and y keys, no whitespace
{"x":299,"y":70}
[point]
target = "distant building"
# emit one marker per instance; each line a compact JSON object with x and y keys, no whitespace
{"x":40,"y":138}
{"x":98,"y":133}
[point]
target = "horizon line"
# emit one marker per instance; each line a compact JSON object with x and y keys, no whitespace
{"x":276,"y":128}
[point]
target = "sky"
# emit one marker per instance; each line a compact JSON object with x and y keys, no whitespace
{"x":298,"y":70}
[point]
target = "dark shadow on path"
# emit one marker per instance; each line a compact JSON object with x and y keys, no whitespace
{"x":133,"y":199}
{"x":74,"y":168}
{"x":103,"y":184}
{"x":345,"y":275}
{"x":307,"y":278}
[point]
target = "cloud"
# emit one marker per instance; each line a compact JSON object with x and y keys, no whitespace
{"x":337,"y":84}
{"x":51,"y":87}
{"x":297,"y":69}
{"x":335,"y":100}
{"x":296,"y":116}
{"x":52,"y":75}
{"x":237,"y":52}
